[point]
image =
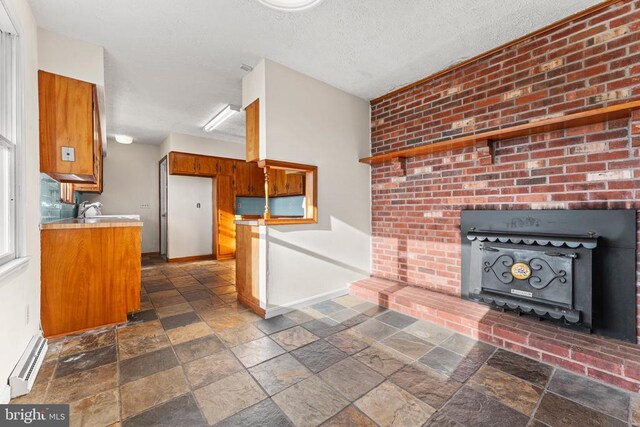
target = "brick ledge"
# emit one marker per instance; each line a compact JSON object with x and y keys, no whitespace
{"x":608,"y":360}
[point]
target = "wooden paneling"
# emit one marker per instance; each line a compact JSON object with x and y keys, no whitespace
{"x":226,"y":166}
{"x":243,"y":178}
{"x":583,"y":118}
{"x":252,"y":119}
{"x":90,"y":277}
{"x":247,"y":263}
{"x":67,"y":120}
{"x":257,"y":181}
{"x":226,"y":236}
{"x":182,"y":164}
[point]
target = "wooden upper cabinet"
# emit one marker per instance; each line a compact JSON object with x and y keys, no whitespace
{"x":182,"y":164}
{"x":295,"y":184}
{"x":98,"y":159}
{"x":226,"y":166}
{"x":68,"y":111}
{"x":207,"y":166}
{"x":249,"y":180}
{"x":252,"y":117}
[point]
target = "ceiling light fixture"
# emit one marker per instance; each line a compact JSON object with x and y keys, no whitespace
{"x":124,"y":139}
{"x":290,"y":5}
{"x":223,"y":115}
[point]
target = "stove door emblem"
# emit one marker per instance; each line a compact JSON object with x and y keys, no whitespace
{"x":521,"y":271}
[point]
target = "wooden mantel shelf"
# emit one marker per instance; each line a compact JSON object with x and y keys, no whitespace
{"x":583,"y":118}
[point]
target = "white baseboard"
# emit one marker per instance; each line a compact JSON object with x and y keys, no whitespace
{"x":282,"y":309}
{"x":5,"y":394}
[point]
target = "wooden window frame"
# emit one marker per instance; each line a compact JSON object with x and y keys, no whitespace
{"x":310,"y":192}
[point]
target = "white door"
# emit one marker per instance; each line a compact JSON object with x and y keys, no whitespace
{"x":163,"y":207}
{"x":190,"y":221}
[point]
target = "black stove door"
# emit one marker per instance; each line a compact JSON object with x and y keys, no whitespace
{"x":536,"y":273}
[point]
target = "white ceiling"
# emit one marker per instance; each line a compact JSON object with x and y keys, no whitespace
{"x":172,"y":64}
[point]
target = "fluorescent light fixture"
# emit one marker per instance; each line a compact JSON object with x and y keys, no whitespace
{"x":223,"y":115}
{"x":124,"y":139}
{"x":290,"y":5}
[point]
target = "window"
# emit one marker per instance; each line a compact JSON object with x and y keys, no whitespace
{"x":8,"y":137}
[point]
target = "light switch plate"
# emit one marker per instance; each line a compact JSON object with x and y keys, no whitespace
{"x":68,"y":154}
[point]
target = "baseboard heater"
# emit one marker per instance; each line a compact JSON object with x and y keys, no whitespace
{"x":25,"y":373}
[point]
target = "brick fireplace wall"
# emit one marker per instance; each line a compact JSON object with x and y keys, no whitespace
{"x":588,"y":63}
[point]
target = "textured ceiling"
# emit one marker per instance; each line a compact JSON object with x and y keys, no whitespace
{"x":172,"y":64}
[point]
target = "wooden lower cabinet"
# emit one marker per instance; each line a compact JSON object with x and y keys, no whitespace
{"x":247,"y":286}
{"x":90,"y":277}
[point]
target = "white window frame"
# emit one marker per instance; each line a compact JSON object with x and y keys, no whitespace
{"x":19,"y":258}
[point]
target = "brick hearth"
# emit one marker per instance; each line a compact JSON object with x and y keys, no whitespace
{"x":607,"y":360}
{"x":589,"y":62}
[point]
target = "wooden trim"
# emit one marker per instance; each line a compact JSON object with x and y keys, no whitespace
{"x":192,"y":258}
{"x":150,"y":253}
{"x":583,"y":118}
{"x":251,"y":305}
{"x":542,"y":31}
{"x":287,"y":221}
{"x":278,"y":164}
{"x":164,"y":159}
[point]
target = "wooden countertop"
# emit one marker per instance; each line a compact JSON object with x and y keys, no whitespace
{"x":72,"y":223}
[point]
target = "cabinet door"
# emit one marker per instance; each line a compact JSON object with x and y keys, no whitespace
{"x":66,"y":121}
{"x":207,"y":166}
{"x":226,"y":166}
{"x":182,"y":164}
{"x":243,"y":179}
{"x":257,"y":180}
{"x":252,"y":118}
{"x":97,"y":147}
{"x":226,"y":235}
{"x":295,"y":184}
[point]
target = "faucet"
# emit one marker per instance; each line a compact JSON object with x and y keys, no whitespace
{"x":85,"y":206}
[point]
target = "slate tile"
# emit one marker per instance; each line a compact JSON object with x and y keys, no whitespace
{"x":279,"y":373}
{"x":310,"y":402}
{"x":228,"y":396}
{"x":328,"y":307}
{"x":293,"y":338}
{"x":470,"y":407}
{"x":349,"y":417}
{"x":426,"y":384}
{"x":370,"y":309}
{"x":91,"y":359}
{"x":179,"y":320}
{"x":407,"y":344}
{"x":381,"y":360}
{"x":555,"y":410}
{"x":87,"y":342}
{"x":349,"y":341}
{"x":179,"y":412}
{"x":521,"y":367}
{"x":395,"y":319}
{"x":263,"y":414}
{"x":142,"y":316}
{"x":351,"y":378}
{"x":593,"y":394}
{"x":145,"y":393}
{"x":200,"y":347}
{"x":323,"y":327}
{"x":429,"y":332}
{"x":389,"y":405}
{"x":318,"y":355}
{"x":451,"y":364}
{"x":147,"y":364}
{"x":257,"y":351}
{"x":509,"y":390}
{"x":275,"y":324}
{"x":98,"y":410}
{"x":375,"y":329}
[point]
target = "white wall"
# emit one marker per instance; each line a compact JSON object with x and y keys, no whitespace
{"x":131,"y":179}
{"x":204,"y":146}
{"x":310,"y":122}
{"x":186,"y":223}
{"x":76,"y":59}
{"x":190,"y":228}
{"x":21,"y":290}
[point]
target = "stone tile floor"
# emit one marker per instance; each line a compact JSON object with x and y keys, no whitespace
{"x":193,"y":356}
